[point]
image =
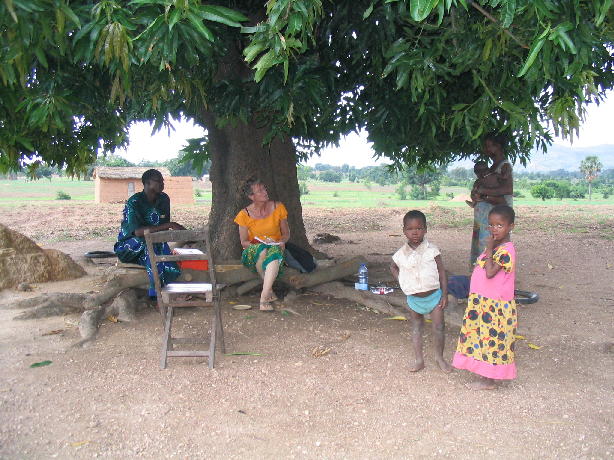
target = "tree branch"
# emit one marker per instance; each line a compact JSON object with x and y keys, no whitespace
{"x":493,"y":19}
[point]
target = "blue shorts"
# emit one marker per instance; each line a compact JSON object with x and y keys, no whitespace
{"x":424,"y":305}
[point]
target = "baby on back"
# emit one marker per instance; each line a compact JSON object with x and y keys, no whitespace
{"x":488,"y":179}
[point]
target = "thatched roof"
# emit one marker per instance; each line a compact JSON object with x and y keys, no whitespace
{"x":112,"y":172}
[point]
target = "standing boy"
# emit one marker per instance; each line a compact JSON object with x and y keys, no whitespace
{"x":418,"y":267}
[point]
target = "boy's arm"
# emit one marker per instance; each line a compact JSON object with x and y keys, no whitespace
{"x":443,"y":283}
{"x":394,"y":269}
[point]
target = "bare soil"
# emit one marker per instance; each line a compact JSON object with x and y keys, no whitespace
{"x":358,"y":400}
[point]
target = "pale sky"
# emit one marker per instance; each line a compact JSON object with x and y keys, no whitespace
{"x":354,"y":149}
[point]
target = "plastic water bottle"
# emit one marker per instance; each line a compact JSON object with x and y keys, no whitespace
{"x":363,"y":274}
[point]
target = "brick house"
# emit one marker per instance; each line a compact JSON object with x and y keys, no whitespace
{"x":117,"y":184}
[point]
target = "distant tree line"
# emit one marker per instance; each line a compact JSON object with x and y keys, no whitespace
{"x":425,"y":184}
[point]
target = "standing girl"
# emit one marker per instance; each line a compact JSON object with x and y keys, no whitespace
{"x":486,"y":342}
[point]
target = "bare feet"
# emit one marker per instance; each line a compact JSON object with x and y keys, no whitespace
{"x":444,"y":366}
{"x":482,"y":384}
{"x":417,"y":366}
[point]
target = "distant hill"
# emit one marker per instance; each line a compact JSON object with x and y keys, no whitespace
{"x":560,"y":157}
{"x":569,"y":158}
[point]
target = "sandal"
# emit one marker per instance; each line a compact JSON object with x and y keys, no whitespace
{"x":266,"y":306}
{"x":273,"y":298}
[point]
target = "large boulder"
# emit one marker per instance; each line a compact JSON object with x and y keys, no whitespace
{"x":23,"y":261}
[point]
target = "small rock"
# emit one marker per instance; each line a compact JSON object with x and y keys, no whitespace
{"x":24,"y":287}
{"x":325,"y":238}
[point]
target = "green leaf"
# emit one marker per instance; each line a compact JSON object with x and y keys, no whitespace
{"x":566,"y":40}
{"x":200,"y":27}
{"x":9,"y":6}
{"x":420,"y":9}
{"x":41,"y":56}
{"x":253,"y":29}
{"x":174,"y":17}
{"x":537,"y":46}
{"x":70,"y":14}
{"x":221,"y":15}
{"x":368,"y":11}
{"x":507,"y":13}
{"x":41,"y":364}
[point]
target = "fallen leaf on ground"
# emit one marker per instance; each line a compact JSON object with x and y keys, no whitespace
{"x":520,"y":337}
{"x":241,"y":307}
{"x":41,"y":364}
{"x":533,"y":346}
{"x":428,"y":320}
{"x":398,"y":318}
{"x":322,"y":304}
{"x":112,"y":318}
{"x":289,"y":310}
{"x":285,"y":313}
{"x":54,"y":332}
{"x":550,"y":266}
{"x":320,"y":350}
{"x":243,"y":353}
{"x":232,"y":302}
{"x":79,"y":443}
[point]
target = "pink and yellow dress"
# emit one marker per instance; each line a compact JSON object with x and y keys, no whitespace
{"x":487,"y":337}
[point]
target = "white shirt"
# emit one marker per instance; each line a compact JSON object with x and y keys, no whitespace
{"x":417,"y":267}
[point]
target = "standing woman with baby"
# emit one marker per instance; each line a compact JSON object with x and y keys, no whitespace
{"x":493,"y":147}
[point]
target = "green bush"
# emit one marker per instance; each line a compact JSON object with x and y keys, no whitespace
{"x":198,"y":192}
{"x":303,"y":189}
{"x":518,"y":194}
{"x":401,"y":192}
{"x":62,"y":195}
{"x":336,"y":194}
{"x":450,"y":195}
{"x":577,"y":192}
{"x":330,"y":176}
{"x":542,"y":191}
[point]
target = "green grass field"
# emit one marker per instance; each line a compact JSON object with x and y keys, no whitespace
{"x":321,"y":194}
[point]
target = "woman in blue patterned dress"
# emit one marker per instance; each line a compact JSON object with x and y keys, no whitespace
{"x":149,"y":209}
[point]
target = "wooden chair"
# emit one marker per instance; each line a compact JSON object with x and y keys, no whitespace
{"x":175,"y":295}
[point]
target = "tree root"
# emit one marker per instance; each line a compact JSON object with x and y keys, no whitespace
{"x":123,"y":307}
{"x":388,"y":305}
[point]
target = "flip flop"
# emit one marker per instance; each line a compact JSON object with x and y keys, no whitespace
{"x":266,"y":307}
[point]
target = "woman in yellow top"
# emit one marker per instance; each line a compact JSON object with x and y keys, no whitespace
{"x":264,"y":232}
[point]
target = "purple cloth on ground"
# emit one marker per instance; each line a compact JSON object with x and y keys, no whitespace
{"x":458,"y":286}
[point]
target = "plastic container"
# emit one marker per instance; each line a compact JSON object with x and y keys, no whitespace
{"x":363,"y":278}
{"x":363,"y":274}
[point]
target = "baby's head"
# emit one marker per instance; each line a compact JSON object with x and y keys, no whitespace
{"x":480,"y":168}
{"x":414,"y":227}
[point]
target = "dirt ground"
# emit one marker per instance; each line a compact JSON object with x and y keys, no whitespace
{"x":359,"y":400}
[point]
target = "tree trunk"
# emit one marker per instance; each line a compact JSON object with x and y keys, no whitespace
{"x":238,"y":153}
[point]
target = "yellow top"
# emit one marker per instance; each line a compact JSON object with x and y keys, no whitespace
{"x":265,"y":227}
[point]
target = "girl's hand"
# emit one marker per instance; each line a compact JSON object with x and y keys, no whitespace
{"x":443,"y":303}
{"x":490,"y":242}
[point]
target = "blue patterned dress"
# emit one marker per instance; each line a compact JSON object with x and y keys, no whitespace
{"x":139,"y":212}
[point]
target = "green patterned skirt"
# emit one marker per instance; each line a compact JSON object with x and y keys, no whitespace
{"x":250,"y":256}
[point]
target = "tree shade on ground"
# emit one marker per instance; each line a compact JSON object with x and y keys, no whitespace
{"x":275,"y":83}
